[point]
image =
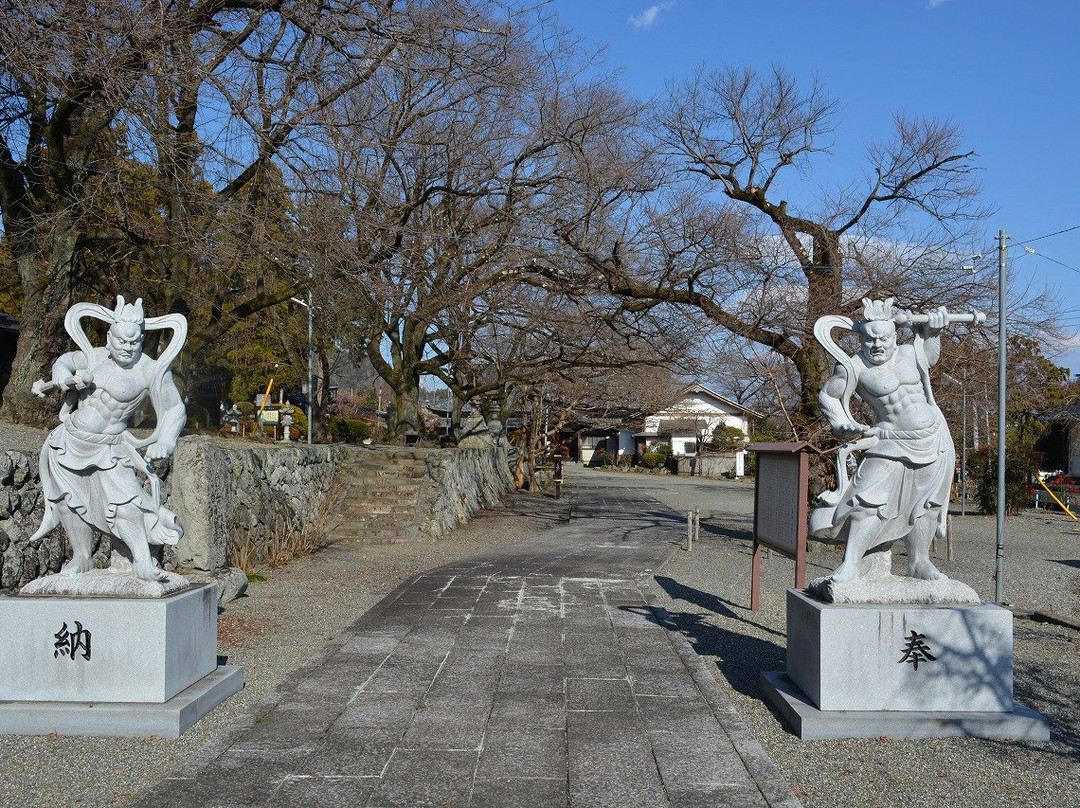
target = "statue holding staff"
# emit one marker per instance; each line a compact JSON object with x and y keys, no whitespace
{"x":900,"y":488}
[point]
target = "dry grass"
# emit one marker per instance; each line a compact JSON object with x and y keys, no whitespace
{"x":288,"y":537}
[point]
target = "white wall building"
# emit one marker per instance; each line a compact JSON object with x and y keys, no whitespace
{"x":694,"y":417}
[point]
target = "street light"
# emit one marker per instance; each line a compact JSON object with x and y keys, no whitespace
{"x":310,"y":357}
{"x":999,"y":568}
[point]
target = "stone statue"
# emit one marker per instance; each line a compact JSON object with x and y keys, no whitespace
{"x":91,"y":464}
{"x":900,"y":488}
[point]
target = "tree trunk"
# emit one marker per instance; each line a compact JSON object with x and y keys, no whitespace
{"x":404,"y":416}
{"x":41,"y":331}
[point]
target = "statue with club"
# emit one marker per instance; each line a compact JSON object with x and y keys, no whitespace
{"x":900,"y":488}
{"x":91,"y":465}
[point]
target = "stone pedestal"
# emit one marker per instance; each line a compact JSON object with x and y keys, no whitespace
{"x":899,"y":671}
{"x":110,"y":666}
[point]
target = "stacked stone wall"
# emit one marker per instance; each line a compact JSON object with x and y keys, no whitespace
{"x":21,"y":508}
{"x":247,"y":496}
{"x":230,"y":494}
{"x":461,"y":482}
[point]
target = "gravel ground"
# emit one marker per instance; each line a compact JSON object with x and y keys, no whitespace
{"x":288,"y":617}
{"x":707,"y":591}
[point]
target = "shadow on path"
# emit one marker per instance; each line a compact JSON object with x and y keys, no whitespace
{"x":739,"y":657}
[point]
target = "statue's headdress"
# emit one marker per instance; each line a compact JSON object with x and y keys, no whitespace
{"x":877,"y":310}
{"x":128,"y":312}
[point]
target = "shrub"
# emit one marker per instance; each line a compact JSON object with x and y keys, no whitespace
{"x":349,"y":430}
{"x":652,"y":460}
{"x":1019,"y":468}
{"x":726,"y":438}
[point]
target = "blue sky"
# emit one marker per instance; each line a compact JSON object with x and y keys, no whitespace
{"x":1004,"y":71}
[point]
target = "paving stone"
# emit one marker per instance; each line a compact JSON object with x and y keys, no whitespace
{"x":609,"y":695}
{"x":610,"y":763}
{"x":379,"y":710}
{"x":443,"y":727}
{"x":583,"y":665}
{"x":519,"y":792}
{"x":417,"y":777}
{"x":704,"y":759}
{"x":402,"y":676}
{"x":284,"y":728}
{"x":668,"y":713}
{"x":520,"y":676}
{"x":658,"y":682}
{"x":324,"y":792}
{"x":543,"y":710}
{"x":522,"y":752}
{"x":351,"y":752}
{"x":362,"y":644}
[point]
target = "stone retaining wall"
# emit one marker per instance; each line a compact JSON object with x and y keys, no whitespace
{"x":21,"y":509}
{"x":228,"y":493}
{"x":245,"y":495}
{"x":461,"y":482}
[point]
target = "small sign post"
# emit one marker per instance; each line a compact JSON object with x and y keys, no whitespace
{"x":780,"y":510}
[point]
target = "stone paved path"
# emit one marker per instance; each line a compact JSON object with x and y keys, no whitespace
{"x":537,"y":675}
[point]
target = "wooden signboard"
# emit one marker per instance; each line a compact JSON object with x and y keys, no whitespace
{"x":780,"y":512}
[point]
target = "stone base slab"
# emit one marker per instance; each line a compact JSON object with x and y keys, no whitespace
{"x":95,"y":649}
{"x":912,"y":658}
{"x":105,"y":583}
{"x":167,"y":720}
{"x":810,"y":723}
{"x":894,"y":589}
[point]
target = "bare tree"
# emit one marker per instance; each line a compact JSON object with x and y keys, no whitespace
{"x":131,"y":134}
{"x":765,"y":269}
{"x":439,"y":173}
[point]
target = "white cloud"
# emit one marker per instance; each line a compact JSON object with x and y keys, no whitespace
{"x":649,"y":15}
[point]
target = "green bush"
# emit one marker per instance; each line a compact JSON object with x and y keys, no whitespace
{"x":726,"y":438}
{"x":1020,"y":466}
{"x":349,"y":430}
{"x":652,"y":460}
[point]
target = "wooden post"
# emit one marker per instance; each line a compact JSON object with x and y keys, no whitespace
{"x":780,"y":508}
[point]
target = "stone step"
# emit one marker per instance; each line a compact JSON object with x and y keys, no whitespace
{"x":382,"y":466}
{"x":388,"y":487}
{"x":381,"y":491}
{"x":365,"y":535}
{"x":372,"y":518}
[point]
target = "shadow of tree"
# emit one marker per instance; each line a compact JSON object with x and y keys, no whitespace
{"x":740,"y":655}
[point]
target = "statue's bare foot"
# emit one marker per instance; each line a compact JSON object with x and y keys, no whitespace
{"x":926,"y":571}
{"x":845,"y":573}
{"x":148,"y":572}
{"x":76,"y":565}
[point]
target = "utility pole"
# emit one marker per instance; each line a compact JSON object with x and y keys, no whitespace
{"x":999,"y":570}
{"x":310,"y":359}
{"x":963,"y":447}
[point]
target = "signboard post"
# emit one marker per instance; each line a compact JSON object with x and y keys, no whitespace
{"x":780,"y":509}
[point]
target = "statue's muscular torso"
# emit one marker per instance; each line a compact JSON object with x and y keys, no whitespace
{"x":115,"y":395}
{"x":894,"y":391}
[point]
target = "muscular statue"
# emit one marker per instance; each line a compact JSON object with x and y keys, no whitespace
{"x":900,"y":488}
{"x":90,"y":464}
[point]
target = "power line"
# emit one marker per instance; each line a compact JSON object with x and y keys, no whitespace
{"x":1048,"y":235}
{"x":1031,"y":251}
